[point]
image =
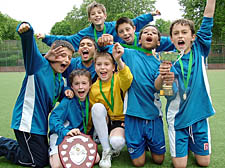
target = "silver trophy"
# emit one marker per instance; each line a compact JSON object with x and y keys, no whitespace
{"x":173,"y":57}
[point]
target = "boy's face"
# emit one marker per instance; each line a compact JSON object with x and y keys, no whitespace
{"x":182,"y":37}
{"x":126,"y":32}
{"x":65,"y":57}
{"x":86,"y":49}
{"x":149,"y":38}
{"x":81,"y":86}
{"x":97,"y":17}
{"x":104,"y":68}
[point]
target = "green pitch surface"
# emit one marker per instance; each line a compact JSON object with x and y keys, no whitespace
{"x":10,"y":84}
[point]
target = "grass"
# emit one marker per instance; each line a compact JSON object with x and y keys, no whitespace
{"x":9,"y":89}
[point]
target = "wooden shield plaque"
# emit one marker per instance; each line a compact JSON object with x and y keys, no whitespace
{"x":78,"y":151}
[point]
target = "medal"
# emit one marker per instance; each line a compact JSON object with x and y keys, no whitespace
{"x":184,"y":96}
{"x":186,"y":81}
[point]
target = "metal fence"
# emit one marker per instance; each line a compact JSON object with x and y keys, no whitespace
{"x":11,"y":53}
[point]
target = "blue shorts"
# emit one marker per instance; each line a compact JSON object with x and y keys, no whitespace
{"x":195,"y":137}
{"x":141,"y":134}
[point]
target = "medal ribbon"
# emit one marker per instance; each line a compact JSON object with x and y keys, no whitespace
{"x":137,"y":48}
{"x":135,"y":40}
{"x":112,"y":98}
{"x":95,"y":33}
{"x":85,"y":123}
{"x":59,"y":79}
{"x":189,"y":70}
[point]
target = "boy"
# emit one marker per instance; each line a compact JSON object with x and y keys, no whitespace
{"x":187,"y":111}
{"x":125,"y":29}
{"x":71,"y":115}
{"x":143,"y":121}
{"x":97,"y":16}
{"x":107,"y":104}
{"x":40,"y":91}
{"x":87,"y":49}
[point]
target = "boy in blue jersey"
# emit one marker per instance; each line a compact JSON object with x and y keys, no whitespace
{"x":42,"y":87}
{"x":188,"y":111}
{"x":97,"y":16}
{"x":87,"y":49}
{"x":125,"y":29}
{"x":143,"y":117}
{"x":71,"y":116}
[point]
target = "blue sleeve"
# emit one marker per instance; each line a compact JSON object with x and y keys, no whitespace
{"x":204,"y":35}
{"x":142,"y":20}
{"x":58,"y":118}
{"x":165,"y":44}
{"x":73,"y":39}
{"x":70,"y":68}
{"x":33,"y":59}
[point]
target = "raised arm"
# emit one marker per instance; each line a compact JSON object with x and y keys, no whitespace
{"x":118,"y":51}
{"x":210,"y":8}
{"x":33,"y":59}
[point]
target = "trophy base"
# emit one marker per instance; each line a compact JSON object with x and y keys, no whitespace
{"x":166,"y":91}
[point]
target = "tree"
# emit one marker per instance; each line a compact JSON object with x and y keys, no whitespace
{"x":7,"y":28}
{"x":193,"y":10}
{"x":61,"y":28}
{"x":163,"y":26}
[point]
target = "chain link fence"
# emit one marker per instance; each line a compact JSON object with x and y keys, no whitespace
{"x":11,"y":53}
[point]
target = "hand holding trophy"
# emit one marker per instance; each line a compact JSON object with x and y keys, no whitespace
{"x":168,"y":59}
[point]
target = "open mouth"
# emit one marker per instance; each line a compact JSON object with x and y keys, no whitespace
{"x":103,"y":74}
{"x":149,"y":39}
{"x":127,"y":38}
{"x":85,"y":54}
{"x":181,"y":42}
{"x":63,"y":65}
{"x":81,"y":93}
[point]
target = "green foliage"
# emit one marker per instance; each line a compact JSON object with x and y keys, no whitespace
{"x":194,"y":9}
{"x":163,"y":26}
{"x":8,"y":28}
{"x":61,"y":28}
{"x":128,"y":14}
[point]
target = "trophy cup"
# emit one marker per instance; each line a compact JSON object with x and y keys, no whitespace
{"x":173,"y":57}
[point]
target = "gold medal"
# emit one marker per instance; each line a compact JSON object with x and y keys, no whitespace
{"x":184,"y":96}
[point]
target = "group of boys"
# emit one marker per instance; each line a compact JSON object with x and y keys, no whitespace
{"x":127,"y":77}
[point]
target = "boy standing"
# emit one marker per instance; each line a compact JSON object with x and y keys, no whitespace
{"x":97,"y":16}
{"x":40,"y":91}
{"x":107,"y":104}
{"x":143,"y":118}
{"x":187,"y":111}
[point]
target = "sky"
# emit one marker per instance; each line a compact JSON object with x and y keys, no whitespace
{"x":43,"y":14}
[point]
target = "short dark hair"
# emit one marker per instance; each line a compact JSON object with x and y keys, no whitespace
{"x":88,"y":37}
{"x":183,"y":22}
{"x":63,"y":43}
{"x":124,"y":20}
{"x":79,"y":72}
{"x":149,"y":25}
{"x":103,"y":54}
